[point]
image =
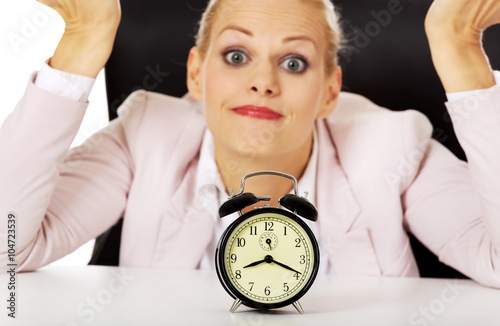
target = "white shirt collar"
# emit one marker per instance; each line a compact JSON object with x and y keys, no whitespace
{"x":209,"y":185}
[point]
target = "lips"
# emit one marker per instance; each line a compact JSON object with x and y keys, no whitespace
{"x":258,"y":112}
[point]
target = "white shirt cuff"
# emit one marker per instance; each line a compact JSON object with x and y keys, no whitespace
{"x":459,"y":95}
{"x":71,"y":86}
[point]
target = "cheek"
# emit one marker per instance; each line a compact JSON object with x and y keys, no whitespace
{"x":211,"y":86}
{"x":305,"y":98}
{"x":220,"y":93}
{"x":220,"y":88}
{"x":212,"y":95}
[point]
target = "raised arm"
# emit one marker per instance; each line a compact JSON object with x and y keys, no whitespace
{"x":60,"y":199}
{"x":453,"y":207}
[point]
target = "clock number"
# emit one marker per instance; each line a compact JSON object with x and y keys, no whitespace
{"x":267,"y":290}
{"x":284,"y":230}
{"x":251,"y":285}
{"x":296,"y":275}
{"x":269,"y":226}
{"x":297,"y":241}
{"x":286,"y":288}
{"x":302,"y":259}
{"x":238,"y":274}
{"x":241,"y":242}
{"x":253,"y":230}
{"x":233,"y":258}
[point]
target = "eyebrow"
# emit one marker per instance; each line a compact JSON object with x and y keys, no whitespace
{"x":300,"y":38}
{"x":237,"y":28}
{"x":286,"y":40}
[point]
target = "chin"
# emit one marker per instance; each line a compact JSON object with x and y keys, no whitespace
{"x":253,"y":138}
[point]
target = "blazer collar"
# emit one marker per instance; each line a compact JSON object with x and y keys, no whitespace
{"x":334,"y":197}
{"x":186,"y":229}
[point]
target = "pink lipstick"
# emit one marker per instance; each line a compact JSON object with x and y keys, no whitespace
{"x":259,"y":112}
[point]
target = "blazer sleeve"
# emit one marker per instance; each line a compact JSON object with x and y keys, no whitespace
{"x":60,"y":198}
{"x":453,"y":207}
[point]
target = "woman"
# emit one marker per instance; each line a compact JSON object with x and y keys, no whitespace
{"x":263,"y":84}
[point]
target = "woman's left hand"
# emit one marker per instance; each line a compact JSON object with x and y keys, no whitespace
{"x":454,"y":29}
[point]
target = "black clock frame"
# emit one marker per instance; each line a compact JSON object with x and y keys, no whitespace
{"x":226,"y":282}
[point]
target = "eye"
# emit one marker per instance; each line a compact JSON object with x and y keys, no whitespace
{"x":235,"y":57}
{"x":295,"y":65}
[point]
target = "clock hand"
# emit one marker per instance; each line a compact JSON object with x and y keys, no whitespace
{"x":268,"y":259}
{"x":255,"y":263}
{"x":285,"y":266}
{"x":268,"y":241}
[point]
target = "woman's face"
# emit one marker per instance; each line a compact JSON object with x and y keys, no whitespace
{"x":263,"y":80}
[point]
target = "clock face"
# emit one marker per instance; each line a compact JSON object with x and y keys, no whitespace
{"x":268,"y":258}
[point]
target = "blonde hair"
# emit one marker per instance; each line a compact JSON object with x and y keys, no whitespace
{"x":329,"y":17}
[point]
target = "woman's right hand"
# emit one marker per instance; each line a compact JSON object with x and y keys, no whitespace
{"x":89,"y":35}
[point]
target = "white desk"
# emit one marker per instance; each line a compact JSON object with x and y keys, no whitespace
{"x":100,"y":296}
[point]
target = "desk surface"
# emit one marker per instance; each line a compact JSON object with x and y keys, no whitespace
{"x":96,"y":295}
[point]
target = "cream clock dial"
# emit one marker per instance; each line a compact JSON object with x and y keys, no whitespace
{"x":268,"y":257}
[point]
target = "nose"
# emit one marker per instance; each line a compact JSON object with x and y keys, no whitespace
{"x":265,"y":80}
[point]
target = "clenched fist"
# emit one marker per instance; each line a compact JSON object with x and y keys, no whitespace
{"x":89,"y":35}
{"x":465,"y":18}
{"x":454,"y":29}
{"x":86,"y":14}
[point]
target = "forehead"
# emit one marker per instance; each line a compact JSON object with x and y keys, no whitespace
{"x":271,"y":17}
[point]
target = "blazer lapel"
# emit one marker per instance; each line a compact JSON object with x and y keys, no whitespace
{"x":349,"y":247}
{"x":333,"y":192}
{"x":186,"y":228}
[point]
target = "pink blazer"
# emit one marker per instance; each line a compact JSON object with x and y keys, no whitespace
{"x":379,"y":175}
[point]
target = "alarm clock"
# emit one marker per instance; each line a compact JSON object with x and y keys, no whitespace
{"x":268,"y":257}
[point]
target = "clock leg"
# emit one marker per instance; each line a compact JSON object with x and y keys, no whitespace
{"x":235,"y":305}
{"x":297,"y":306}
